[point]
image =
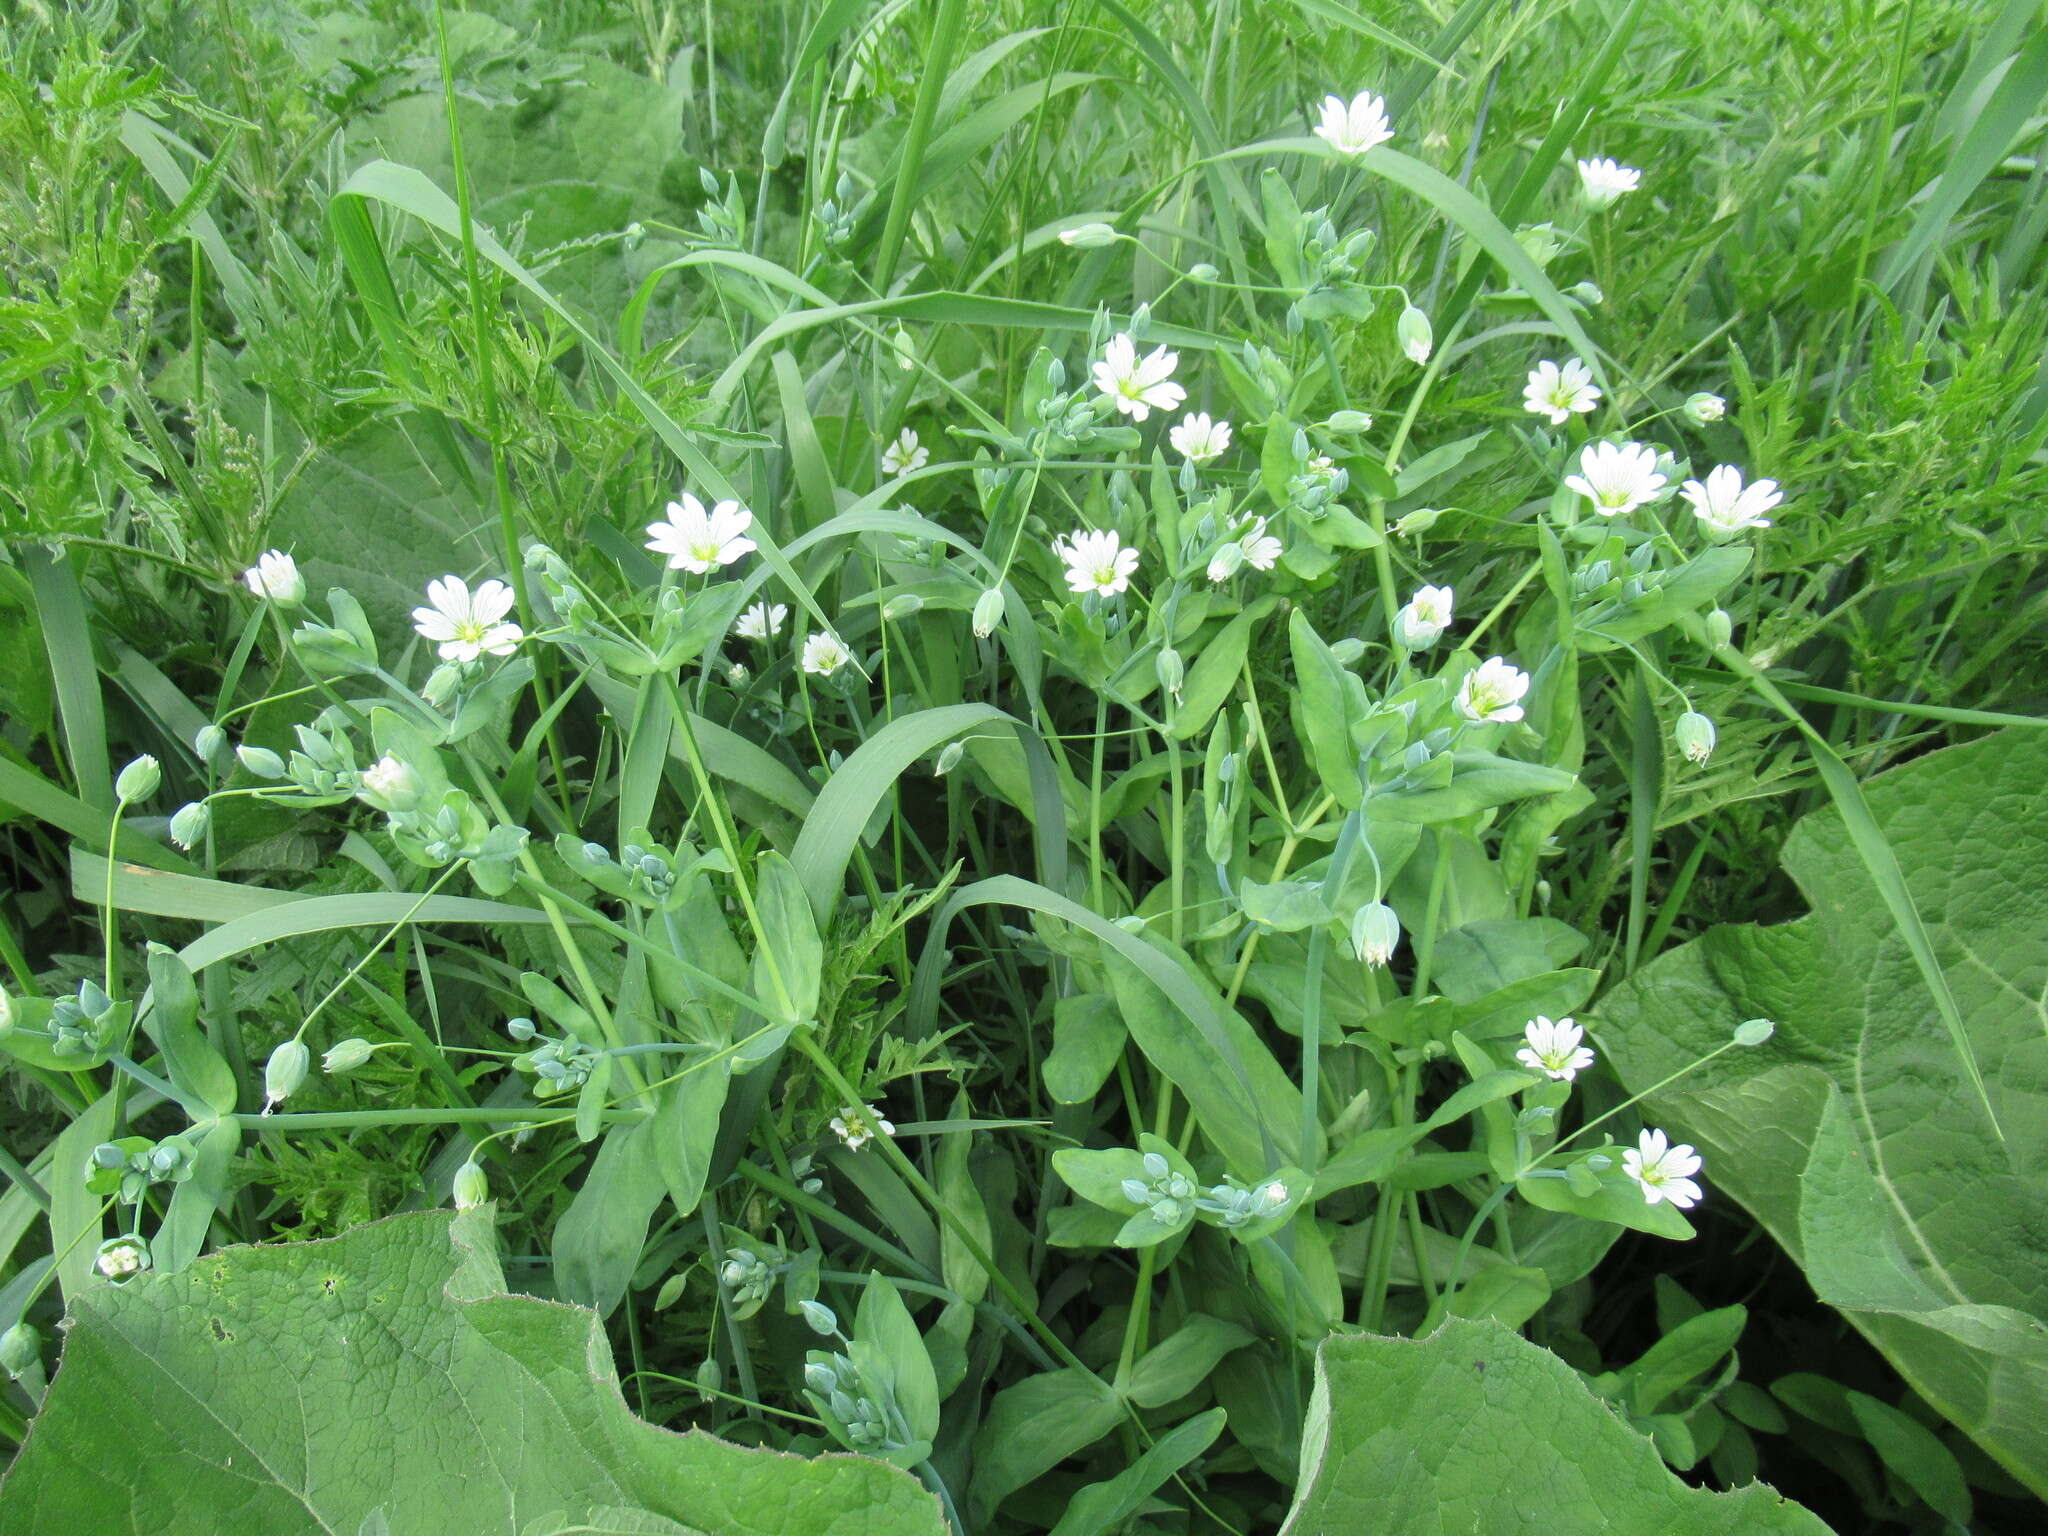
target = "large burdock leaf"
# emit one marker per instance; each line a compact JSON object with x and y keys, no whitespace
{"x":1476,"y":1429}
{"x":384,"y":1381}
{"x":1854,"y":1135}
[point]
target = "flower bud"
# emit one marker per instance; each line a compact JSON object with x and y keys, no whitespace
{"x":1754,"y":1031}
{"x":1171,"y":670}
{"x":1421,"y":520}
{"x":21,"y":1349}
{"x":1375,"y":933}
{"x":344,"y":1056}
{"x":284,"y":1072}
{"x":988,"y":611}
{"x":1719,"y":627}
{"x":389,"y":784}
{"x":138,"y":781}
{"x":1412,"y":330}
{"x":1203,"y":272}
{"x":208,"y":742}
{"x":1703,"y":408}
{"x":1695,"y":733}
{"x":1350,"y":421}
{"x":1226,"y":562}
{"x":261,"y":761}
{"x":521,"y":1029}
{"x":821,"y":1318}
{"x":1088,"y":237}
{"x":949,"y":759}
{"x":472,"y":1187}
{"x":902,"y":606}
{"x":1347,"y":651}
{"x":189,"y":823}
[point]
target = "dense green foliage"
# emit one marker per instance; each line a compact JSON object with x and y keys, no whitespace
{"x":1065,"y":1018}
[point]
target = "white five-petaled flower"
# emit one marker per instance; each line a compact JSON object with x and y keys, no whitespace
{"x":1554,"y":1049}
{"x":1351,"y":128}
{"x":1664,"y":1171}
{"x":1603,"y":180}
{"x":1138,"y":386}
{"x":698,"y":541}
{"x":1096,"y":562}
{"x":465,"y":624}
{"x":859,"y":1124}
{"x":1726,"y":505}
{"x":1617,"y":477}
{"x":1424,"y":617}
{"x":824,"y":653}
{"x":1195,"y":437}
{"x":1558,"y":392}
{"x":275,"y":575}
{"x":905,"y":455}
{"x":1492,"y":691}
{"x":762,"y":621}
{"x":1261,"y":549}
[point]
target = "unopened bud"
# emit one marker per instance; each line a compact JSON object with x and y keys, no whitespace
{"x":1171,"y":670}
{"x":472,"y":1186}
{"x":1754,"y":1031}
{"x":988,"y":612}
{"x":1412,"y":330}
{"x":1421,"y":520}
{"x":208,"y":742}
{"x":1203,"y":272}
{"x":1088,"y":237}
{"x":1351,"y":421}
{"x":344,"y":1056}
{"x":949,"y":759}
{"x":21,"y":1349}
{"x":261,"y":761}
{"x":1703,"y":408}
{"x":1719,"y":627}
{"x":189,"y":823}
{"x":1375,"y":933}
{"x":821,"y":1318}
{"x":284,"y":1072}
{"x":902,"y":606}
{"x":138,"y":781}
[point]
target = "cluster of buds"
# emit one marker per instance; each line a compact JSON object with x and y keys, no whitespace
{"x":556,"y":1065}
{"x":722,"y":216}
{"x":649,"y":868}
{"x":841,"y":1394}
{"x":325,"y":762}
{"x":83,"y":1025}
{"x":1316,"y":482}
{"x":126,"y":1168}
{"x":1169,"y":1196}
{"x":746,"y":1276}
{"x":839,"y":213}
{"x":1330,"y":265}
{"x":1068,"y":420}
{"x":1233,"y":1205}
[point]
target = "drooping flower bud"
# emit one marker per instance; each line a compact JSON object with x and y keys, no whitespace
{"x":1695,"y":733}
{"x":1350,"y":421}
{"x":261,"y":761}
{"x":1719,"y":627}
{"x":21,"y":1349}
{"x":208,"y":742}
{"x":284,"y":1072}
{"x":821,"y":1318}
{"x":1172,"y":672}
{"x":1754,"y":1031}
{"x":1375,"y":933}
{"x":189,"y":823}
{"x":1088,"y":237}
{"x":988,"y":612}
{"x":1413,"y":331}
{"x":472,"y":1186}
{"x":949,"y":759}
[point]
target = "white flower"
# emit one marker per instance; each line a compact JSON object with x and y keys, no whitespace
{"x":859,"y":1124}
{"x":1554,"y":1049}
{"x":1423,"y":619}
{"x":1617,"y":478}
{"x":1353,"y":129}
{"x":1413,"y":331}
{"x":1138,"y":387}
{"x":1261,"y":549}
{"x":698,"y":541}
{"x":120,"y":1258}
{"x":1726,"y":505}
{"x":824,"y":654}
{"x":275,"y":575}
{"x":1492,"y":692}
{"x":1096,"y":562}
{"x":1322,"y":467}
{"x":1603,"y":181}
{"x":1664,"y":1171}
{"x":1273,"y":1194}
{"x":465,"y":624}
{"x":763,"y":621}
{"x":389,"y":779}
{"x":905,"y":455}
{"x":1196,"y":438}
{"x":1375,"y":933}
{"x":1558,"y":392}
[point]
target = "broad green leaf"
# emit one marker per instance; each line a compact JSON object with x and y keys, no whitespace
{"x":256,"y":1391}
{"x":1103,"y":1507}
{"x":1088,"y":1036}
{"x":1031,"y":1428}
{"x":1325,"y":714}
{"x":790,"y":963}
{"x":200,"y":1073}
{"x":1478,"y":780}
{"x":1854,"y":1135}
{"x":1475,"y":1429}
{"x":1182,"y":1361}
{"x":598,"y":1239}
